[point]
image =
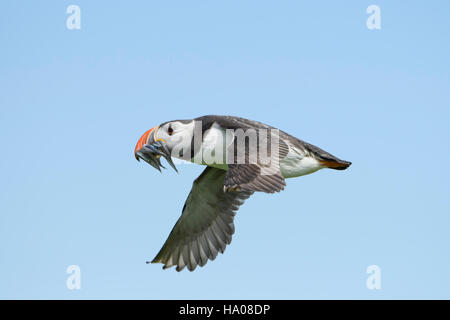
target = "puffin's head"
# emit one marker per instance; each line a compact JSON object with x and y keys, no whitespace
{"x":163,"y":140}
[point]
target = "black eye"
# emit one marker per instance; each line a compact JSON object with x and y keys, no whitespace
{"x":170,"y":130}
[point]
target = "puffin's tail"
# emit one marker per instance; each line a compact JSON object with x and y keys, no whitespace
{"x":335,"y":163}
{"x":326,"y":159}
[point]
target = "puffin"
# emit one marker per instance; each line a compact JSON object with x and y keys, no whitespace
{"x":241,"y":156}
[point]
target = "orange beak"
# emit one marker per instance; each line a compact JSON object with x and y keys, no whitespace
{"x":143,"y":141}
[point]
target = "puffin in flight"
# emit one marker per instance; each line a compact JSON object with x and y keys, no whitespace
{"x":242,"y":157}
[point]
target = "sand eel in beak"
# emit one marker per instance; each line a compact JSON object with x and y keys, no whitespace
{"x":237,"y":166}
{"x":151,"y":150}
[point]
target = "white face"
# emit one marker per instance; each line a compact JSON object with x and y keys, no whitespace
{"x":178,"y":137}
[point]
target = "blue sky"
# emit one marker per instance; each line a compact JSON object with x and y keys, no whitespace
{"x":73,"y":104}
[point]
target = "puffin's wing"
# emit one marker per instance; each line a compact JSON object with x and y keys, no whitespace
{"x":260,"y":174}
{"x":206,"y":223}
{"x":252,"y":177}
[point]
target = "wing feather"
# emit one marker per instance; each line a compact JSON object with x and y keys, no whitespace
{"x":206,"y":224}
{"x":265,"y":174}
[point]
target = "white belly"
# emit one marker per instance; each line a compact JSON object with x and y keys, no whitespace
{"x":298,"y":164}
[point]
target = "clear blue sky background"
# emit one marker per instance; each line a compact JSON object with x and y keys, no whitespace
{"x":74,"y":103}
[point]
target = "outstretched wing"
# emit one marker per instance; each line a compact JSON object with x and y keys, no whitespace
{"x":206,"y":223}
